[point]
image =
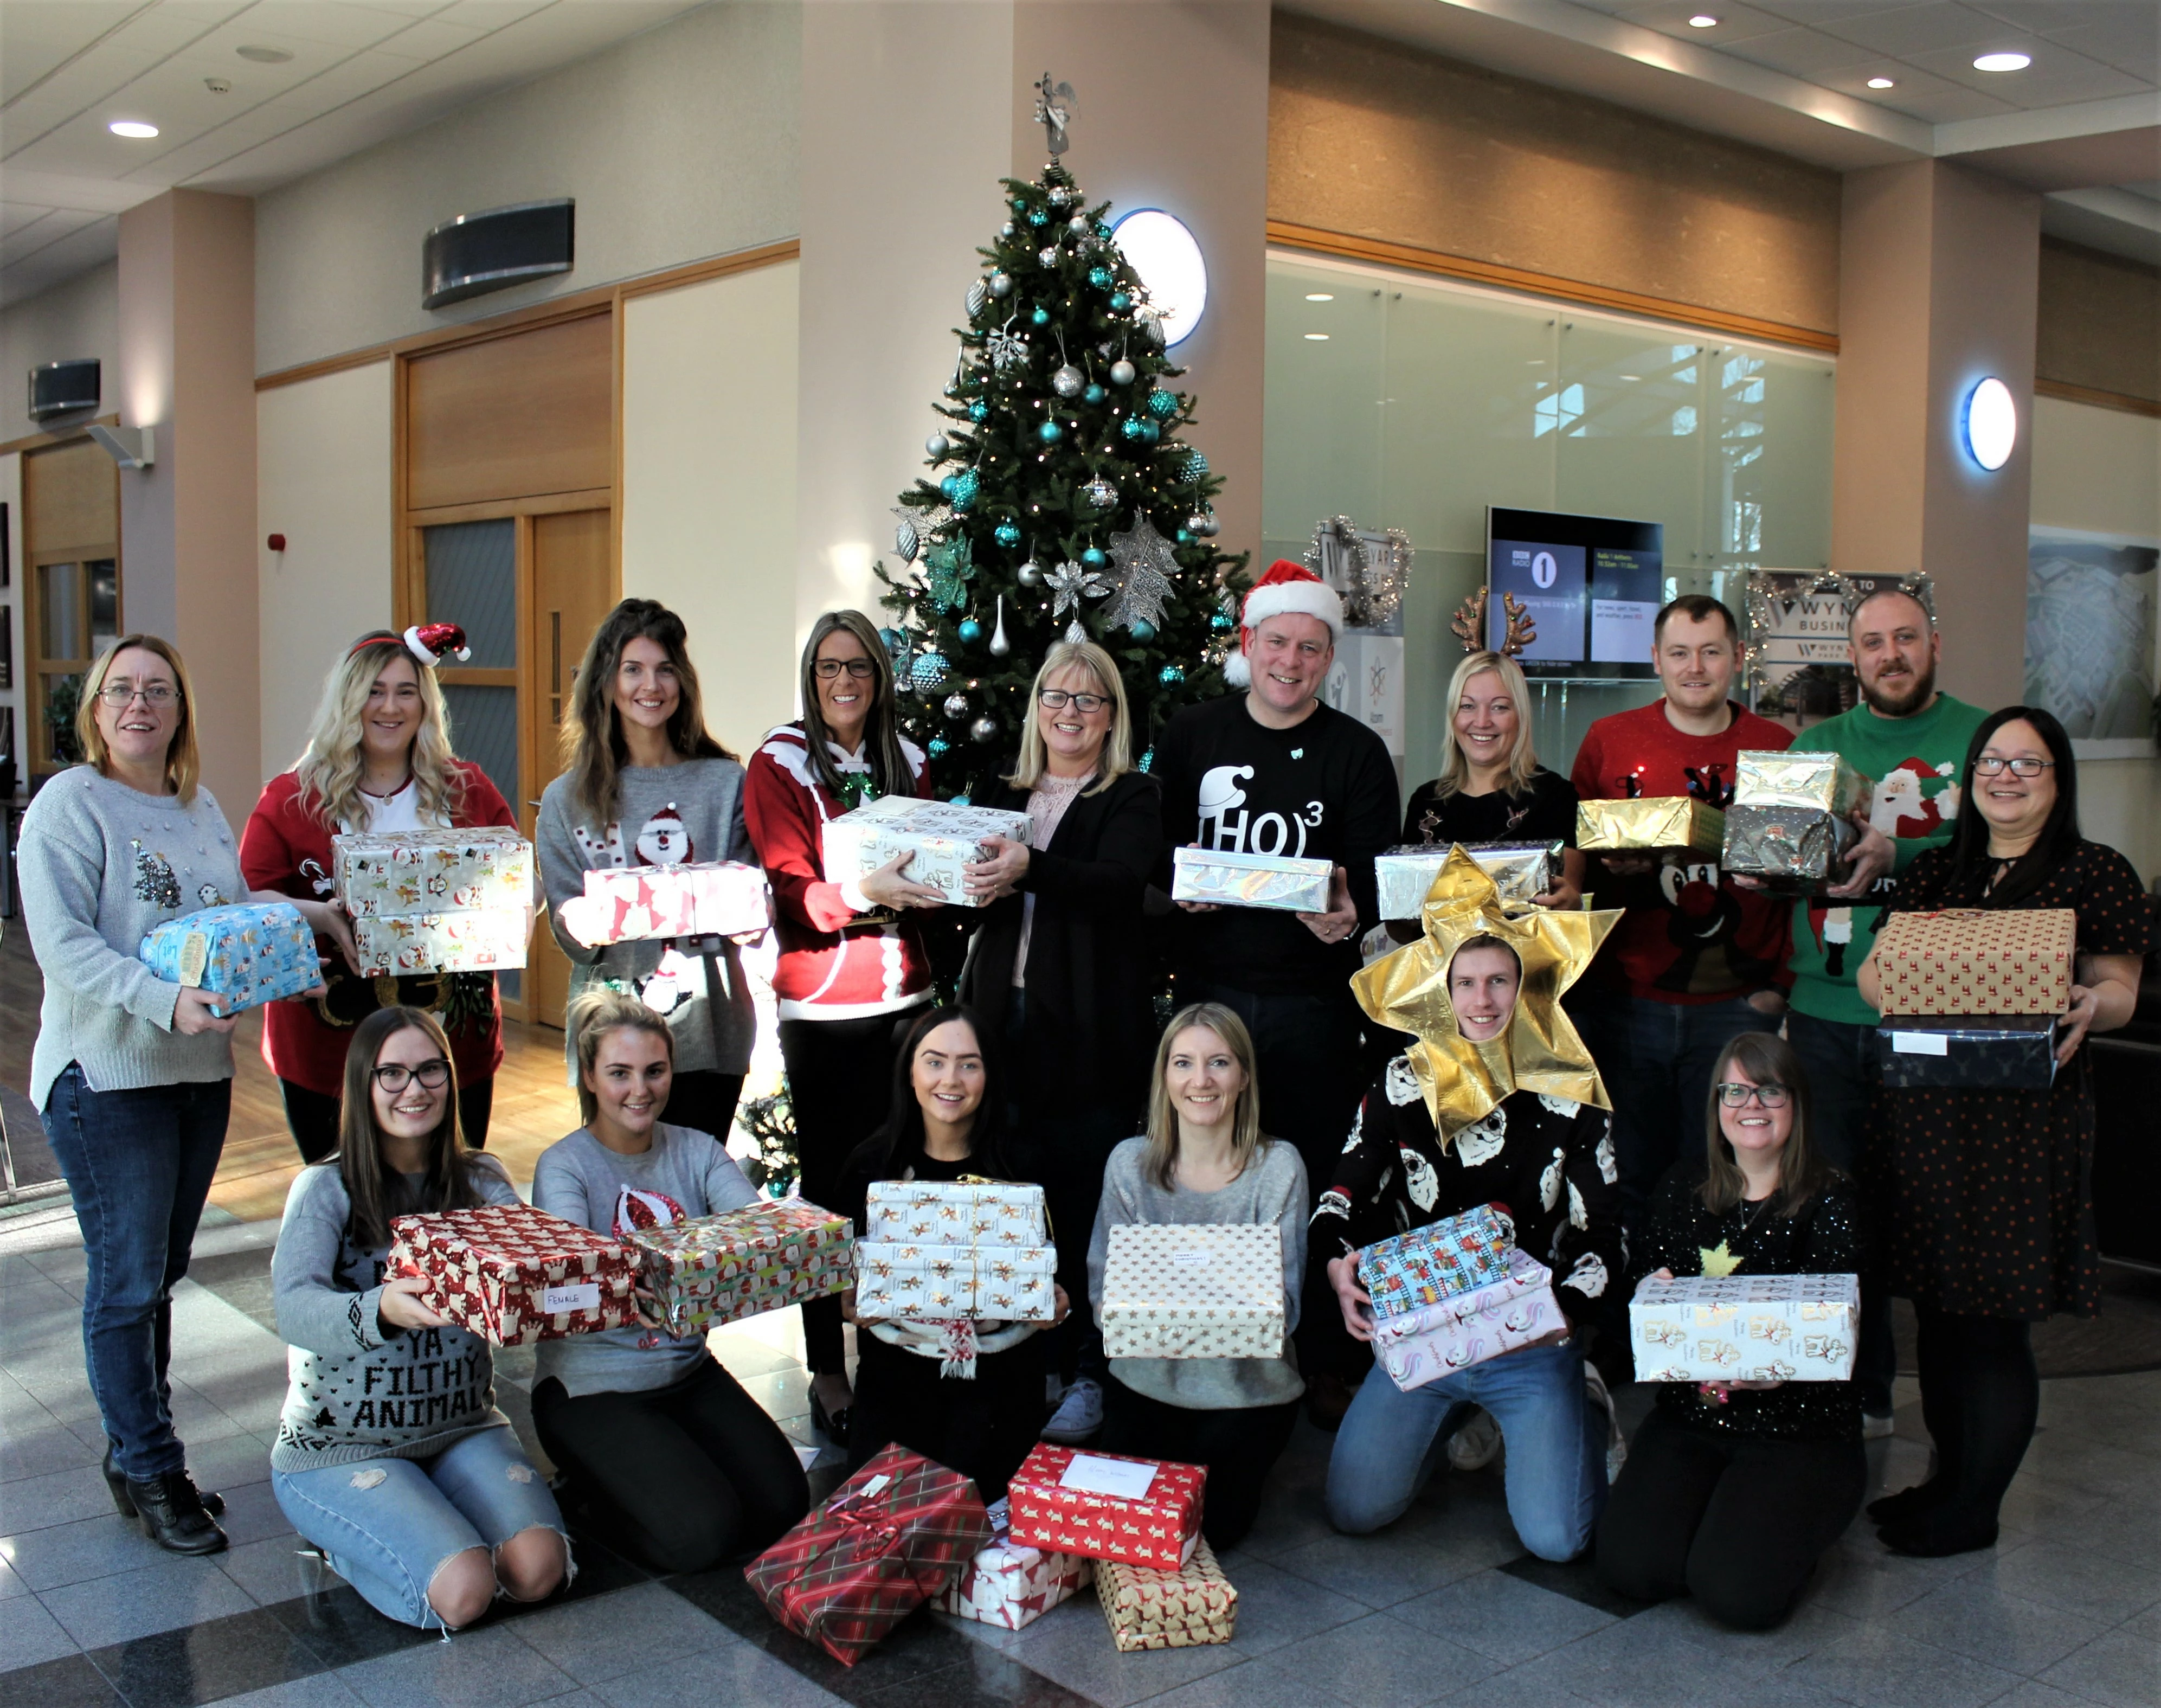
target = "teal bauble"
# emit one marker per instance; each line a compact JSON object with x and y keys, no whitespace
{"x":1150,"y":432}
{"x":939,"y":746}
{"x":1093,"y":559}
{"x":979,"y":411}
{"x":959,"y":800}
{"x":1037,"y":216}
{"x":1049,"y":432}
{"x":1008,"y":533}
{"x":1040,"y":317}
{"x":1161,"y":404}
{"x":1103,"y":231}
{"x":1184,"y":537}
{"x":1221,"y":623}
{"x":1143,"y":633}
{"x":1196,"y":465}
{"x":970,"y":632}
{"x":1120,"y":301}
{"x":1100,"y":276}
{"x":1020,"y":204}
{"x":1131,"y":426}
{"x":928,"y":671}
{"x":1170,"y":676}
{"x":1094,"y":394}
{"x":961,"y":489}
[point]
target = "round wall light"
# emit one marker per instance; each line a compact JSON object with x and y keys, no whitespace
{"x":1163,"y":252}
{"x":1991,"y":423}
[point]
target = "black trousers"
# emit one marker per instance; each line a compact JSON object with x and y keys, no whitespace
{"x":680,"y":1477}
{"x":1738,"y":1522}
{"x":313,"y":1118}
{"x":1239,"y":1446}
{"x":982,"y":1427}
{"x":705,"y":1102}
{"x":840,"y":1084}
{"x":1981,"y":1397}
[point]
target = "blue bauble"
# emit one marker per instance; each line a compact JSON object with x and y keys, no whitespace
{"x":1161,"y":404}
{"x":1221,"y":623}
{"x":970,"y":631}
{"x":1093,"y":559}
{"x":1131,"y":426}
{"x":1037,"y":216}
{"x":979,"y":411}
{"x":1196,"y":465}
{"x":964,"y":488}
{"x":1103,"y":231}
{"x":1184,"y":537}
{"x":1050,"y":433}
{"x":1100,"y":276}
{"x":1020,"y":204}
{"x":1007,"y":533}
{"x":1094,"y":394}
{"x":947,"y":483}
{"x":1150,"y":432}
{"x":1040,"y":317}
{"x":1143,"y":633}
{"x":939,"y":746}
{"x":1170,"y":676}
{"x":961,"y":800}
{"x":1120,"y":301}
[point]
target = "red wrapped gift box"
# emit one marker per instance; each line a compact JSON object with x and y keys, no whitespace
{"x":1145,"y":1512}
{"x":896,"y":1533}
{"x":514,"y":1274}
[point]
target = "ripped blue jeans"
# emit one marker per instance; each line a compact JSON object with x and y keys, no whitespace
{"x":387,"y":1525}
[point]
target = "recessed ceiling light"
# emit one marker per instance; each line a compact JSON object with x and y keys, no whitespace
{"x":266,"y":56}
{"x":2002,"y":62}
{"x":1703,"y":20}
{"x":1882,"y":83}
{"x":132,"y":127}
{"x":1320,"y":296}
{"x":1632,"y":376}
{"x":1316,"y":337}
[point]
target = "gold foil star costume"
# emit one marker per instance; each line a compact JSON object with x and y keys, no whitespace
{"x":1539,"y":1051}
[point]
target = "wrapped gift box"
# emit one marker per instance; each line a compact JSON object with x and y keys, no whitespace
{"x":1745,"y":1328}
{"x":244,"y":956}
{"x":701,"y":898}
{"x":713,"y":1269}
{"x":1148,"y":1608}
{"x":1790,"y":849}
{"x":1430,"y":1265}
{"x":1193,"y":1290}
{"x":894,"y":1535}
{"x":1234,"y":880}
{"x":1968,"y":1052}
{"x":943,"y":838}
{"x":470,"y":939}
{"x":1010,"y":1583}
{"x":513,"y":1274}
{"x":1523,"y":871}
{"x":1434,"y":1340}
{"x":939,"y":1284}
{"x":1676,"y":823}
{"x":401,"y":873}
{"x":1824,"y":781}
{"x":963,"y":1213}
{"x":1972,"y":961}
{"x":1102,"y":1506}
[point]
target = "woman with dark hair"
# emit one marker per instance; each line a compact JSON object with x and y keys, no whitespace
{"x":1733,"y":1489}
{"x":943,"y":1127}
{"x":851,"y":958}
{"x":645,"y":783}
{"x":1986,"y":1196}
{"x":391,"y":1457}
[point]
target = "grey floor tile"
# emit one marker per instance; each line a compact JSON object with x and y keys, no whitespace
{"x":1376,"y":1662}
{"x":165,"y":1597}
{"x":605,"y":1636}
{"x":1071,"y":1646}
{"x":1258,"y":1684}
{"x":32,"y":1450}
{"x":2032,"y":1693}
{"x":271,"y":1571}
{"x":323,"y":1691}
{"x":744,"y":1357}
{"x":2064,"y":1574}
{"x":783,"y":1393}
{"x":1276,"y":1609}
{"x":2118,"y":1667}
{"x":1809,"y":1628}
{"x":70,"y":1554}
{"x":11,"y":1584}
{"x":1973,"y":1617}
{"x":230,"y":1461}
{"x":28,"y":1634}
{"x":1426,"y":1548}
{"x":2070,"y":1456}
{"x":1864,"y":1579}
{"x":1500,"y":1616}
{"x":2146,"y":1624}
{"x":735,"y":1673}
{"x":207,"y":1662}
{"x":69,"y":1682}
{"x":1879,"y":1668}
{"x":60,"y":1497}
{"x":484,"y":1668}
{"x":1626,"y":1664}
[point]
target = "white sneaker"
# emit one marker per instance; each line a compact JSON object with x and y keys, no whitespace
{"x":1477,"y":1444}
{"x":1616,"y":1443}
{"x":1079,"y":1415}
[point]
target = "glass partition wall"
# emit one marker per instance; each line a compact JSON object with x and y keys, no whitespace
{"x":1413,"y":403}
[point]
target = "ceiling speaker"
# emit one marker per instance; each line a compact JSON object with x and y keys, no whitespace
{"x":65,"y":388}
{"x":494,"y":249}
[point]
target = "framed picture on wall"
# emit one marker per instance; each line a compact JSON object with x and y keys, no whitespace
{"x":6,"y":551}
{"x":6,"y":648}
{"x":2091,"y":613}
{"x":1797,"y":668}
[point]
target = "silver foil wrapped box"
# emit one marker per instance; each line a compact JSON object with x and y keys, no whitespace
{"x":1234,"y":880}
{"x":941,"y":837}
{"x":1523,"y":871}
{"x":1790,"y":849}
{"x":1763,"y":777}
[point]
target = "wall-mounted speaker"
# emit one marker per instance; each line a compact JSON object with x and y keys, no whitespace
{"x":65,"y":388}
{"x":494,"y":249}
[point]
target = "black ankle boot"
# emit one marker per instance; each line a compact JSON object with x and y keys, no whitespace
{"x":1909,"y":1504}
{"x":117,"y":1479}
{"x":172,"y":1514}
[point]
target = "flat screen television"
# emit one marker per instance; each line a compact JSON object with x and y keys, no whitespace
{"x":1591,"y":584}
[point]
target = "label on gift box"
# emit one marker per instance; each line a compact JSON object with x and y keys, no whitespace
{"x":584,"y":1296}
{"x":1129,"y":1479}
{"x":1920,"y":1044}
{"x":195,"y":956}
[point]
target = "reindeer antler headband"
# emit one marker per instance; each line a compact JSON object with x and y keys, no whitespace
{"x":1470,"y":624}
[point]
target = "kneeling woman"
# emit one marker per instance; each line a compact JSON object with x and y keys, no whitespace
{"x":681,"y":1467}
{"x":1733,"y":1490}
{"x":967,"y":1396}
{"x":1204,"y":1159}
{"x":428,"y":1506}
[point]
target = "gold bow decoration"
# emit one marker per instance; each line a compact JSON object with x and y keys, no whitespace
{"x":1539,"y":1051}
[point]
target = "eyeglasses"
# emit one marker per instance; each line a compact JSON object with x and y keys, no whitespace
{"x":1988,"y":765}
{"x":828,"y":669}
{"x":157,"y":696}
{"x":1057,"y":700}
{"x":1770,"y":1094}
{"x":394,"y":1076}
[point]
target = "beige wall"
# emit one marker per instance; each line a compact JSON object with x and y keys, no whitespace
{"x":2100,"y":320}
{"x":709,"y":509}
{"x":1380,"y":140}
{"x":11,"y":495}
{"x":323,"y":463}
{"x":80,"y":318}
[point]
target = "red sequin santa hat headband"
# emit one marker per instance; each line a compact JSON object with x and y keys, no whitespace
{"x":430,"y":642}
{"x":1286,"y":587}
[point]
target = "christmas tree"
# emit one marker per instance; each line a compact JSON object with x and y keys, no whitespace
{"x":1069,"y":505}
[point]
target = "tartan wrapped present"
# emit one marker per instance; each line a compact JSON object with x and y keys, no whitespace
{"x":1789,"y":850}
{"x":1421,"y":1346}
{"x":1975,"y":960}
{"x":244,"y":955}
{"x":1193,"y":1290}
{"x":467,"y":940}
{"x":1523,"y":871}
{"x":894,"y":1535}
{"x":399,"y":873}
{"x":1822,"y":780}
{"x":956,"y":1213}
{"x":1968,"y":1052}
{"x":1010,"y":1583}
{"x":1148,"y":1608}
{"x":697,"y":898}
{"x":941,"y":836}
{"x":513,"y":1274}
{"x":1441,"y":1260}
{"x":714,"y":1269}
{"x":1105,"y":1506}
{"x":1676,"y":823}
{"x":1745,"y":1328}
{"x":939,"y":1283}
{"x":1234,"y":880}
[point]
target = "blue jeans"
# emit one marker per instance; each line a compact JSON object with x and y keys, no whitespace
{"x":1392,"y":1442}
{"x":140,"y":1164}
{"x":389,"y":1525}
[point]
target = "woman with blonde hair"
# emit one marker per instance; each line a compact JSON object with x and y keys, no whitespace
{"x":378,"y":758}
{"x":1204,"y":1159}
{"x":1058,"y":972}
{"x":133,"y":1075}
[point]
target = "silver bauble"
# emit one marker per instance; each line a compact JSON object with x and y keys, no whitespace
{"x":956,"y":706}
{"x":976,"y":298}
{"x":1047,"y":255}
{"x":1029,"y":574}
{"x":1121,"y":373}
{"x":1079,"y":225}
{"x":1205,"y":526}
{"x":935,"y":447}
{"x":1006,"y":229}
{"x":905,"y":540}
{"x":1068,"y":381}
{"x":1001,"y":284}
{"x":984,"y":729}
{"x":1059,"y":196}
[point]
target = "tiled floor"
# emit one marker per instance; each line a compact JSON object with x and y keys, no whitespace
{"x":1447,"y":1606}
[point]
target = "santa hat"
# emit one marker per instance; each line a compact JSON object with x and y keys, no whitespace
{"x":430,"y":642}
{"x":1286,"y":587}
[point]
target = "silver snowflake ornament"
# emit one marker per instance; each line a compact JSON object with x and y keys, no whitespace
{"x":1069,"y":583}
{"x":1006,"y":347}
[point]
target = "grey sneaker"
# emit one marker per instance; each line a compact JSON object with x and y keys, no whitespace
{"x":1616,"y":1443}
{"x":1079,"y":1415}
{"x":1477,"y":1444}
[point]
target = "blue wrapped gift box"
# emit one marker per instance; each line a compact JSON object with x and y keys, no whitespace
{"x":244,"y":956}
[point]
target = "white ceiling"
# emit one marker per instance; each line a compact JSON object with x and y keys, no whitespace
{"x":361,"y":71}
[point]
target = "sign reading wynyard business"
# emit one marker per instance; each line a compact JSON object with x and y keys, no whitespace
{"x":1798,"y":670}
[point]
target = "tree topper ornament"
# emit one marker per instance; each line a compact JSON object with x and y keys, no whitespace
{"x":1053,"y":112}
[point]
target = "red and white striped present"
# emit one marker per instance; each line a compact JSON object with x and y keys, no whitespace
{"x":514,"y":1274}
{"x":1107,"y":1506}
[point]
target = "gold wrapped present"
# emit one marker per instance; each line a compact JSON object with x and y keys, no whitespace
{"x":1234,"y":880}
{"x":1679,"y":823}
{"x":1151,"y":1609}
{"x":1823,"y":780}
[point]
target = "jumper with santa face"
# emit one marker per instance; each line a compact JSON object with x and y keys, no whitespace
{"x":666,"y":816}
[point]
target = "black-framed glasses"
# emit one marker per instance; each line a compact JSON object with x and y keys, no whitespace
{"x":157,"y":696}
{"x":1770,"y":1094}
{"x":828,"y":669}
{"x":1057,"y":700}
{"x":394,"y":1076}
{"x":1989,"y":765}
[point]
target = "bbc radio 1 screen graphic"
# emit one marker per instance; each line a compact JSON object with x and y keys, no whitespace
{"x":1548,"y":581}
{"x":1592,"y":585}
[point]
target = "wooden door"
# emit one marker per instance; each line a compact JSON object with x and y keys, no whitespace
{"x":72,"y":588}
